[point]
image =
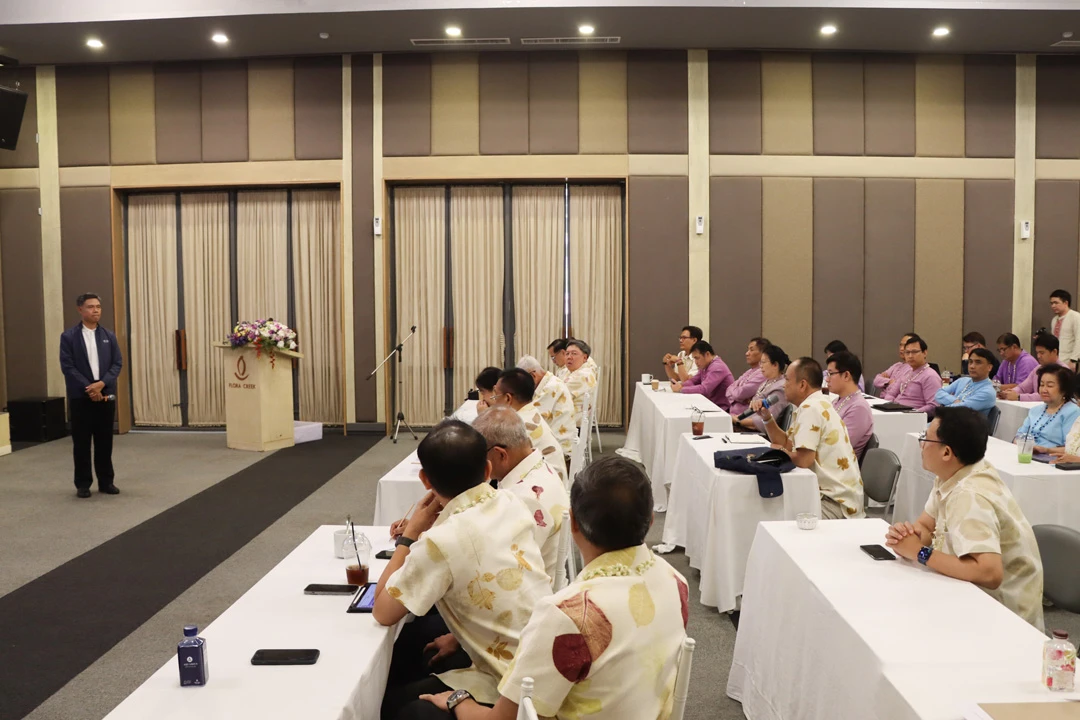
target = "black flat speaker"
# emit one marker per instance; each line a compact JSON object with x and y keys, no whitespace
{"x":12,"y":107}
{"x":37,"y":419}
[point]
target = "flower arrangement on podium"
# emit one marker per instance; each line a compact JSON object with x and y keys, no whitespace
{"x":268,"y":335}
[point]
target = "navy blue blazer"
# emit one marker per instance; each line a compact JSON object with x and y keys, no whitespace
{"x":76,"y":365}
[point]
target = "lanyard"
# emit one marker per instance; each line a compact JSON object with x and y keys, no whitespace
{"x":903,"y":385}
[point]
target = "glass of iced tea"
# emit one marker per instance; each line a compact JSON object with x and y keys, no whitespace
{"x":356,"y":553}
{"x":697,"y":422}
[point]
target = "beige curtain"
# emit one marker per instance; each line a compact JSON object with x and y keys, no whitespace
{"x":316,"y":218}
{"x":204,"y":225}
{"x":420,"y":274}
{"x":155,"y":381}
{"x":596,"y":287}
{"x":539,"y":302}
{"x":262,"y":250}
{"x":476,"y":262}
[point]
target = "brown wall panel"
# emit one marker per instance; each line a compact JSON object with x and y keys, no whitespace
{"x":82,"y":115}
{"x":24,"y":304}
{"x":988,"y":256}
{"x":1057,"y":106}
{"x":317,"y":94}
{"x":553,"y":103}
{"x":504,"y":104}
{"x":838,"y":104}
{"x":656,"y":98}
{"x":178,"y":112}
{"x":25,"y":154}
{"x":658,"y":279}
{"x":225,"y":112}
{"x":1057,"y":234}
{"x":363,"y":239}
{"x":939,"y":268}
{"x":406,"y":105}
{"x":734,"y":251}
{"x":990,"y":105}
{"x":889,"y":279}
{"x":838,"y":263}
{"x":86,"y":247}
{"x":889,"y":100}
{"x":734,"y":103}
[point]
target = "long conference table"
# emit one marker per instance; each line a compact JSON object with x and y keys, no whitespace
{"x":346,"y":683}
{"x":827,"y":633}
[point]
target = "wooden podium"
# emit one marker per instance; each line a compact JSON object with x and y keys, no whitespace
{"x":258,"y":398}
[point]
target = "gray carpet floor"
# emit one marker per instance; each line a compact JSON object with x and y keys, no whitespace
{"x":44,"y":526}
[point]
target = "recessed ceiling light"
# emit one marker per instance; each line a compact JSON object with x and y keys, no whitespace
{"x":941,"y":31}
{"x":586,"y":29}
{"x":220,"y":38}
{"x":1067,"y":34}
{"x":324,"y":36}
{"x":828,"y":29}
{"x":453,"y":31}
{"x":95,"y":43}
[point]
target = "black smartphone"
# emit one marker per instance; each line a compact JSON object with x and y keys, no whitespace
{"x":1068,"y":466}
{"x":384,"y":554}
{"x":877,"y":552}
{"x":317,"y":589}
{"x":285,"y":657}
{"x":364,"y":600}
{"x":702,"y":437}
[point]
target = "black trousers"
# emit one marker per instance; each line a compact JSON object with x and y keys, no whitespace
{"x":411,"y":670}
{"x":92,"y":423}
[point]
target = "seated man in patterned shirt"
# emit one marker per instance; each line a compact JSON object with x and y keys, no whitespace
{"x":608,"y":644}
{"x":557,"y":353}
{"x":471,"y":552}
{"x":972,"y":528}
{"x":515,"y":389}
{"x":581,"y":377}
{"x":552,"y":398}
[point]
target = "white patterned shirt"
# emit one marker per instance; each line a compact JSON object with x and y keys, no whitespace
{"x":817,"y":426}
{"x":553,"y":400}
{"x":688,"y":363}
{"x":543,"y":439}
{"x":579,"y":382}
{"x":544,"y":492}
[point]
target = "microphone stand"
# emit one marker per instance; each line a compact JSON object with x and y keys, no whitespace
{"x":398,"y":350}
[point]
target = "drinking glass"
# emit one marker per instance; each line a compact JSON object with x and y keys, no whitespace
{"x":697,"y":422}
{"x":1024,"y":447}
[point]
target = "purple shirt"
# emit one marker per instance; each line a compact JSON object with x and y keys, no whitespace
{"x":767,"y":388}
{"x":858,"y":418}
{"x":1029,"y":389}
{"x":916,"y":389}
{"x":741,"y":392}
{"x":1014,"y":373}
{"x":897,"y":373}
{"x":712,"y":382}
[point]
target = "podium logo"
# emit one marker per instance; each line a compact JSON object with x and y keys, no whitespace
{"x":241,"y":369}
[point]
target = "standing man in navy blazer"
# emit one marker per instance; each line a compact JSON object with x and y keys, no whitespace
{"x":91,"y":361}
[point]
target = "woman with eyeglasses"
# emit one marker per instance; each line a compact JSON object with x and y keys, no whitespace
{"x":774,"y":362}
{"x":1049,"y":422}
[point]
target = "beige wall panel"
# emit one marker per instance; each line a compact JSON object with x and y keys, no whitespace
{"x":939,"y":105}
{"x":267,"y":172}
{"x":865,"y":167}
{"x":838,"y":104}
{"x":82,"y":115}
{"x":601,"y":102}
{"x":455,"y":104}
{"x":25,"y":154}
{"x":178,"y":113}
{"x":787,"y":241}
{"x":939,"y":263}
{"x":787,"y":104}
{"x":224,"y":111}
{"x":504,"y":104}
{"x":406,"y":105}
{"x":990,"y":105}
{"x":734,"y":103}
{"x":658,"y":164}
{"x":656,"y":101}
{"x":507,"y":167}
{"x":889,"y":104}
{"x":553,"y":103}
{"x":270,"y":109}
{"x":19,"y":178}
{"x":132,"y":136}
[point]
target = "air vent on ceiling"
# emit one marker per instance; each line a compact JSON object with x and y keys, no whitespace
{"x":1067,"y":44}
{"x":458,"y":42}
{"x":572,"y":41}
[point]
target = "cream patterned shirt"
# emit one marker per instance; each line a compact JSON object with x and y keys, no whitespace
{"x":818,"y":427}
{"x":579,"y":382}
{"x":607,"y":645}
{"x":688,"y":363}
{"x":556,"y":406}
{"x":975,"y":512}
{"x":544,"y":492}
{"x":479,"y":564}
{"x":562,"y":373}
{"x":543,"y":439}
{"x":1072,"y":440}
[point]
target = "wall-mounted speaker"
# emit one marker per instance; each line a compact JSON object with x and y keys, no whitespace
{"x":12,"y":107}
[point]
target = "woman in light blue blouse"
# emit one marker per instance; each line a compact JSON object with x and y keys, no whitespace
{"x":1049,"y":422}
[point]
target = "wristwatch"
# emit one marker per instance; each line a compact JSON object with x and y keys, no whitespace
{"x":403,"y":541}
{"x":924,"y":554}
{"x":456,"y":698}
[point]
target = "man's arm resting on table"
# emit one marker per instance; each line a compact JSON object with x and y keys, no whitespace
{"x":983,"y":569}
{"x":388,"y":610}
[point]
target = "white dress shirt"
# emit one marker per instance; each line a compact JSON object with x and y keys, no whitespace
{"x":90,"y":338}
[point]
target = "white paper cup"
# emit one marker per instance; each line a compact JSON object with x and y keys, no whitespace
{"x":806,"y":521}
{"x":339,"y":537}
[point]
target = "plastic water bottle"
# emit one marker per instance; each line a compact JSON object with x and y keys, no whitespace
{"x":191,"y":655}
{"x":1059,"y":663}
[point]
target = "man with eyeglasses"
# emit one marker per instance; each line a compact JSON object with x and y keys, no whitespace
{"x":581,"y":377}
{"x":975,"y":391}
{"x":681,"y":366}
{"x":713,"y":378}
{"x":1018,"y":362}
{"x":1046,"y":352}
{"x":972,"y":341}
{"x":972,"y":528}
{"x":917,"y":388}
{"x":515,"y":389}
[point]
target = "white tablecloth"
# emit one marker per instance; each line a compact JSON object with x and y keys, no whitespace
{"x":891,"y":427}
{"x":713,"y":514}
{"x":466,"y":412}
{"x":1013,"y":414}
{"x":656,"y":423}
{"x":1045,"y":494}
{"x":347,"y":682}
{"x":828,"y":633}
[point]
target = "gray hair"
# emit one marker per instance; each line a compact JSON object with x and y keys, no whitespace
{"x":530,"y":364}
{"x":502,"y":426}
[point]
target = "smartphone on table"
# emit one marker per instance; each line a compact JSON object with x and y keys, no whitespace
{"x":877,"y":552}
{"x":285,"y":657}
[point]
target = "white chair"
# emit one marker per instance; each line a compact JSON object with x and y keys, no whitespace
{"x":577,"y":459}
{"x":594,"y":421}
{"x":561,"y":579}
{"x":526,"y":711}
{"x":588,"y":408}
{"x":682,"y":679}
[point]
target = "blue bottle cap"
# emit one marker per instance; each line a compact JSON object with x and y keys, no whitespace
{"x":191,"y":630}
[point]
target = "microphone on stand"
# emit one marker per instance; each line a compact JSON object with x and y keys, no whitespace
{"x":771,"y":399}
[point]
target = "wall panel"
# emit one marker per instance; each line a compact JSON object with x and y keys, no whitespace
{"x":939,"y":105}
{"x":82,"y":115}
{"x":270,"y":109}
{"x":990,"y":105}
{"x":504,"y":104}
{"x":988,"y":256}
{"x":553,"y":103}
{"x":889,"y":280}
{"x":601,"y":102}
{"x":657,"y":94}
{"x":178,"y":112}
{"x":838,"y":104}
{"x":24,"y":308}
{"x":363,"y":238}
{"x":787,"y":241}
{"x":734,"y":265}
{"x":839,"y":254}
{"x":1057,"y":236}
{"x":406,"y":105}
{"x":734,"y":103}
{"x":939,"y":268}
{"x":25,"y":154}
{"x":1057,"y":107}
{"x":225,"y":111}
{"x":889,"y":104}
{"x":455,"y":104}
{"x":131,"y":115}
{"x":787,"y":104}
{"x":86,"y":216}
{"x":317,"y":94}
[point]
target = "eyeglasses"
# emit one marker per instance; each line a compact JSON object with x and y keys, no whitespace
{"x":832,"y":373}
{"x":685,"y":337}
{"x":923,"y":440}
{"x":497,"y":445}
{"x":495,"y":397}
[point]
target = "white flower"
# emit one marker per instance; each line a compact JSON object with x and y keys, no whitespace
{"x":281,"y":344}
{"x":292,"y":345}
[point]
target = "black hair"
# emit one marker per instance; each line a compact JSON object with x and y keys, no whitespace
{"x":487,"y":378}
{"x":761,"y":343}
{"x":1062,"y":295}
{"x":695,"y":332}
{"x":519,"y":383}
{"x":557,"y":345}
{"x":983,"y":353}
{"x":612,"y":503}
{"x":703,"y":347}
{"x":777,"y":356}
{"x":975,"y":337}
{"x":79,"y":301}
{"x":454,"y":457}
{"x":1008,"y":340}
{"x":964,"y":431}
{"x":836,"y":346}
{"x":809,"y":369}
{"x":580,"y":345}
{"x":1047,"y":342}
{"x":846,"y":362}
{"x":913,"y":338}
{"x":1066,"y":378}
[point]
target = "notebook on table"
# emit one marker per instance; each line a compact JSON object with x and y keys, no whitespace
{"x":892,"y":407}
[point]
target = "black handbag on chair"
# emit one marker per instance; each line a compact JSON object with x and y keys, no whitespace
{"x":766,"y":464}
